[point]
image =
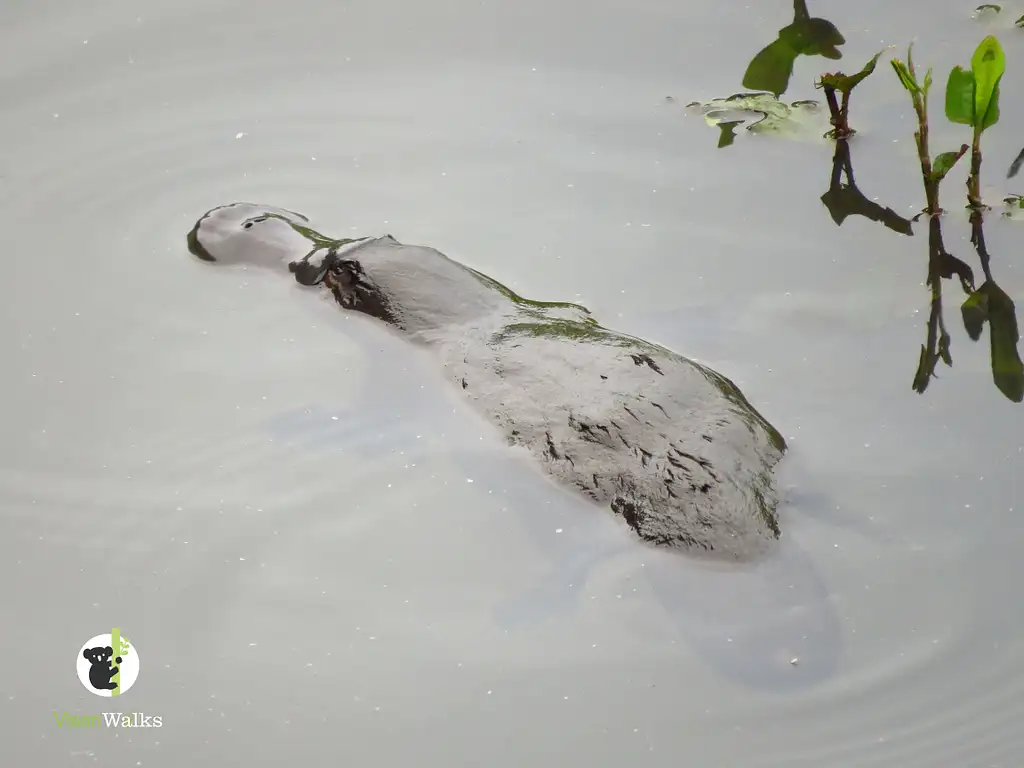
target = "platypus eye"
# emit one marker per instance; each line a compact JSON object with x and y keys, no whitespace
{"x":249,"y":222}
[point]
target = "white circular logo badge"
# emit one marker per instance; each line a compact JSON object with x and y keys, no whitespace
{"x":108,"y":664}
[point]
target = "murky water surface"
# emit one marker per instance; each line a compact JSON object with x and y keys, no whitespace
{"x":323,"y":558}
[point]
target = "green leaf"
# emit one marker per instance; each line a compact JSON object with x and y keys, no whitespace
{"x":989,"y":7}
{"x":992,"y":114}
{"x":852,"y":80}
{"x":960,"y":96}
{"x":988,"y":65}
{"x":906,"y":79}
{"x":944,"y":164}
{"x":927,"y":81}
{"x":1019,"y":22}
{"x":771,"y":69}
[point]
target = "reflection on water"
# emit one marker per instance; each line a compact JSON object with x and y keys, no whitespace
{"x":992,"y":305}
{"x":942,"y":265}
{"x":844,"y":199}
{"x":987,"y":304}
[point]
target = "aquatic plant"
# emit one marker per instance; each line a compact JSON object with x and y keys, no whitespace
{"x":993,"y":10}
{"x":972,"y":98}
{"x":757,"y":113}
{"x":932,"y":171}
{"x":837,"y":82}
{"x":1014,"y":203}
{"x":771,"y":69}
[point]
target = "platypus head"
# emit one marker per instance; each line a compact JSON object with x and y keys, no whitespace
{"x":265,"y":236}
{"x":243,"y":233}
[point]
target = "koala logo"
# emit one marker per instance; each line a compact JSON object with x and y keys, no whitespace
{"x":100,"y":673}
{"x":104,"y":672}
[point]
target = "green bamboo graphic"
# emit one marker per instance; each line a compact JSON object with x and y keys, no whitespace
{"x":115,"y":646}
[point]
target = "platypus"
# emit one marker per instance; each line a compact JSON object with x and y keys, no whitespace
{"x":669,"y":445}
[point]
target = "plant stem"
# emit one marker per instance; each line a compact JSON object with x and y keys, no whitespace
{"x":839,"y":115}
{"x":844,"y":115}
{"x":974,"y":178}
{"x":833,"y":108}
{"x":931,"y":185}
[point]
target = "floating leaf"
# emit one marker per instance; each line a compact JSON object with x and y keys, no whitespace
{"x":758,"y":112}
{"x":960,"y":96}
{"x":1014,"y":210}
{"x":988,"y":65}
